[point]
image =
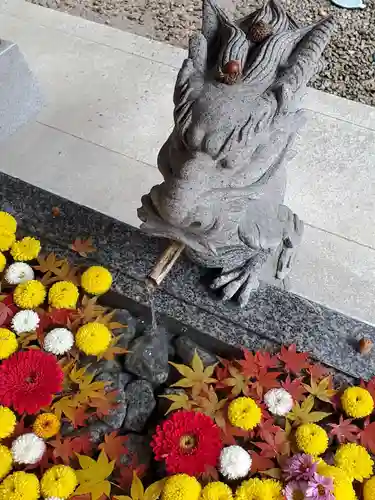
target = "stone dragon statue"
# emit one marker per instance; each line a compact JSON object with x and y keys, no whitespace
{"x":237,"y":109}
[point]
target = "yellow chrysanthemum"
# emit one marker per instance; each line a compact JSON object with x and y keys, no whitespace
{"x":342,"y":485}
{"x":3,"y":262}
{"x":252,"y":489}
{"x":6,"y":239}
{"x":181,"y":487}
{"x":63,"y":295}
{"x":272,"y":489}
{"x":244,"y":413}
{"x":93,"y":338}
{"x":5,"y":461}
{"x":8,"y":222}
{"x":46,"y":425}
{"x":369,"y":489}
{"x":26,"y":249}
{"x":8,"y":422}
{"x":216,"y":491}
{"x":59,"y":481}
{"x":354,"y":460}
{"x":96,"y":280}
{"x":311,"y":439}
{"x":20,"y":486}
{"x":29,"y":295}
{"x":8,"y":343}
{"x":357,"y":402}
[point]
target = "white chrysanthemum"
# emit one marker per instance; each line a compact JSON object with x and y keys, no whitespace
{"x":235,"y":462}
{"x":19,"y":272}
{"x":58,"y":341}
{"x":278,"y":401}
{"x":25,"y":321}
{"x":28,"y":449}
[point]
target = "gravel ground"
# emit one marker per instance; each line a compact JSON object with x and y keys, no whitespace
{"x":350,"y":71}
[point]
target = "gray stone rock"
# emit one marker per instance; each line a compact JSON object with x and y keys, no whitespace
{"x":116,"y":381}
{"x":109,"y":366}
{"x":139,"y":448}
{"x":97,"y":430}
{"x":185,"y":348}
{"x":127,"y":333}
{"x":148,"y":358}
{"x":141,"y":403}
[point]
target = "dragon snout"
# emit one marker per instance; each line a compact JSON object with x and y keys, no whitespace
{"x":173,"y":207}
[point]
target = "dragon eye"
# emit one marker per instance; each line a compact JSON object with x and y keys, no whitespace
{"x":195,"y":224}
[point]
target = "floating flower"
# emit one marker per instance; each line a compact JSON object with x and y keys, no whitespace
{"x":8,"y":222}
{"x":46,"y":425}
{"x":187,"y":441}
{"x":244,"y":413}
{"x":30,"y":294}
{"x":58,"y":341}
{"x":8,"y":422}
{"x":20,"y":486}
{"x":3,"y":262}
{"x":252,"y":489}
{"x":8,"y":343}
{"x":96,"y":280}
{"x":311,"y":439}
{"x":6,"y":239}
{"x":300,"y":467}
{"x":235,"y":462}
{"x":93,"y":338}
{"x":25,"y":321}
{"x":6,"y":461}
{"x":295,"y":490}
{"x":63,"y":295}
{"x":216,"y":491}
{"x":19,"y":272}
{"x":357,"y":402}
{"x":369,"y":489}
{"x":58,"y":481}
{"x":354,"y":460}
{"x":342,"y":484}
{"x":278,"y":401}
{"x":28,"y":449}
{"x":181,"y":487}
{"x":28,"y":380}
{"x":26,"y":249}
{"x":320,"y":488}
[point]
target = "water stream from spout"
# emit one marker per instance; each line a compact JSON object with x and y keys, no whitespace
{"x":151,"y":301}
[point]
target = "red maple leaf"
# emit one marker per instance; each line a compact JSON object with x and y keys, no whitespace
{"x":249,"y":365}
{"x":114,"y":446}
{"x":82,"y":444}
{"x":79,"y":416}
{"x":294,"y":361}
{"x":104,"y":406}
{"x":295,"y":388}
{"x":60,"y":316}
{"x":6,"y":314}
{"x":63,"y":449}
{"x":44,"y":323}
{"x":367,"y":436}
{"x":274,"y":445}
{"x":222,"y":373}
{"x":345,"y":431}
{"x":125,"y":478}
{"x":318,"y":371}
{"x":229,"y":433}
{"x":265,"y":380}
{"x":267,"y":427}
{"x":260,"y":463}
{"x":370,"y":386}
{"x":266,"y":360}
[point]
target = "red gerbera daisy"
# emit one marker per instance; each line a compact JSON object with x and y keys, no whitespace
{"x":28,"y":381}
{"x":188,"y":441}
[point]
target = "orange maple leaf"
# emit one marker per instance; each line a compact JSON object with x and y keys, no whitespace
{"x":63,"y":449}
{"x":83,"y":247}
{"x":114,"y":446}
{"x":104,"y":406}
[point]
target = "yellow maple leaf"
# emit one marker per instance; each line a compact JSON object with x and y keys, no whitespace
{"x":303,"y":414}
{"x":322,"y":389}
{"x":197,"y":377}
{"x":65,"y":406}
{"x":112,"y":350}
{"x":93,"y":476}
{"x":138,"y":492}
{"x":178,"y":401}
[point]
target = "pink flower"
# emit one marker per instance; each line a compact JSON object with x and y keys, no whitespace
{"x":295,"y":490}
{"x":300,"y":467}
{"x":320,"y":488}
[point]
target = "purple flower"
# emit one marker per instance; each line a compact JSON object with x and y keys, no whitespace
{"x":295,"y":490}
{"x":300,"y":467}
{"x":320,"y":488}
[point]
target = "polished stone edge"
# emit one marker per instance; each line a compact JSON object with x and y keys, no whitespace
{"x":273,"y":317}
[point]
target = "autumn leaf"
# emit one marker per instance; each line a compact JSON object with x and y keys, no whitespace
{"x":222,"y":372}
{"x":267,"y":427}
{"x":265,"y":380}
{"x":210,"y":474}
{"x":274,"y":445}
{"x":294,"y":361}
{"x":302,"y":414}
{"x":138,"y":492}
{"x":259,"y":463}
{"x":318,"y":371}
{"x":321,"y":390}
{"x":229,"y":433}
{"x":210,"y":405}
{"x":83,"y":247}
{"x":65,"y":406}
{"x":248,"y":364}
{"x":266,"y":360}
{"x":25,"y":340}
{"x":195,"y":377}
{"x":6,"y":314}
{"x":345,"y":431}
{"x":63,"y":449}
{"x":79,"y":416}
{"x":49,"y":263}
{"x":113,"y":350}
{"x":295,"y":388}
{"x":126,"y":473}
{"x":367,"y":436}
{"x":103,"y":406}
{"x":82,"y":444}
{"x":60,"y":316}
{"x":92,"y":477}
{"x":179,"y":401}
{"x":114,"y":446}
{"x":237,"y":381}
{"x":370,"y":386}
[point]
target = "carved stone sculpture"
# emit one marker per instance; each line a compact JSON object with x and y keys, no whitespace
{"x":237,"y":108}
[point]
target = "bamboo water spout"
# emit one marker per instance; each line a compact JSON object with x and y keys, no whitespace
{"x":165,"y":263}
